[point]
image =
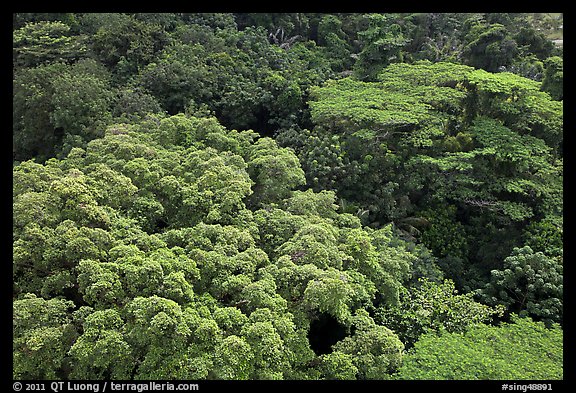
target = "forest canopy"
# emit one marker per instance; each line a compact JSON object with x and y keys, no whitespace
{"x":291,"y":196}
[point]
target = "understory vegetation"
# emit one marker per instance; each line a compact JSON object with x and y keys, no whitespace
{"x":287,"y":196}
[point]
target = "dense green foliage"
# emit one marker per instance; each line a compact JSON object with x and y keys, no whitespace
{"x":460,"y":158}
{"x":522,"y":350}
{"x":148,"y":232}
{"x":287,"y":196}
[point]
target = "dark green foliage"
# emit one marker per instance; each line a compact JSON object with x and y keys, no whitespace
{"x":46,"y":42}
{"x":287,"y":196}
{"x":530,"y":284}
{"x":431,"y":307}
{"x":381,"y":42}
{"x":58,"y":107}
{"x":444,"y":234}
{"x":124,"y":42}
{"x":469,"y":143}
{"x":553,"y":80}
{"x":332,"y":37}
{"x":489,"y":47}
{"x":545,"y":236}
